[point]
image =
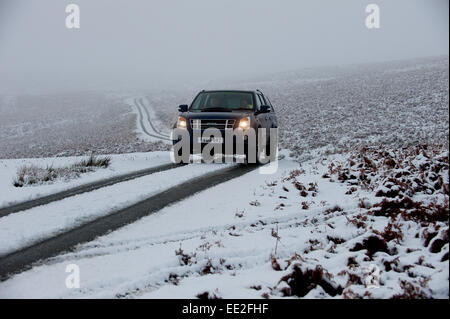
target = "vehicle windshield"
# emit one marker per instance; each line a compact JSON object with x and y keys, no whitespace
{"x":222,"y":101}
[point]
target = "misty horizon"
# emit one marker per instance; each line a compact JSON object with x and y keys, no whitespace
{"x":154,"y":44}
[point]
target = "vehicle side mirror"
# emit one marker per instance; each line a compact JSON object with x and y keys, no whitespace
{"x":264,"y":109}
{"x":183,"y":108}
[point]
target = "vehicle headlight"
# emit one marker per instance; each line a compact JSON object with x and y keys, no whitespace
{"x":244,"y":123}
{"x":181,"y":123}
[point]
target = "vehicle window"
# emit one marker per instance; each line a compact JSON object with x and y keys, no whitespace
{"x":270,"y":104}
{"x":258,"y":102}
{"x":223,"y":100}
{"x":263,"y":101}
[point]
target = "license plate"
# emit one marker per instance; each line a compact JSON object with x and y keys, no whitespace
{"x":215,"y":140}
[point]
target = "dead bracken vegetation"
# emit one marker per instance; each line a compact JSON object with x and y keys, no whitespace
{"x":402,"y":232}
{"x":397,"y":242}
{"x":35,"y":175}
{"x":396,"y":176}
{"x":396,"y":172}
{"x":301,"y":281}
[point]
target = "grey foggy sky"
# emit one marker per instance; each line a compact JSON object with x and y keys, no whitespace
{"x":139,"y":44}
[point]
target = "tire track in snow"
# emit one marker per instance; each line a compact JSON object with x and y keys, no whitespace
{"x":143,"y":126}
{"x":141,"y":100}
{"x":23,"y":259}
{"x":21,"y":206}
{"x":158,"y":274}
{"x":89,"y":249}
{"x":15,"y":208}
{"x":97,"y":249}
{"x":243,"y":259}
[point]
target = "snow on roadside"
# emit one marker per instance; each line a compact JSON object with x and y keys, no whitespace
{"x":138,"y":105}
{"x":120,"y":164}
{"x":27,"y":227}
{"x":161,"y":127}
{"x":316,"y":231}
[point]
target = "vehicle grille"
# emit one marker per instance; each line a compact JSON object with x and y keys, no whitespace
{"x":205,"y":124}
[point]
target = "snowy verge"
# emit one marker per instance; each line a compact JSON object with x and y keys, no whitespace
{"x":160,"y":126}
{"x":146,"y":121}
{"x":371,"y":224}
{"x":120,"y":164}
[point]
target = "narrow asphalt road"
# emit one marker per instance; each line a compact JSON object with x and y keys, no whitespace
{"x":23,"y":259}
{"x":82,"y":189}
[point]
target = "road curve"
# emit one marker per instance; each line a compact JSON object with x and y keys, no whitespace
{"x":83,"y":189}
{"x":23,"y":259}
{"x":5,"y":211}
{"x":141,"y":110}
{"x":149,"y":120}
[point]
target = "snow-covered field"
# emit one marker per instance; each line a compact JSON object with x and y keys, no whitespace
{"x":68,"y":124}
{"x":327,"y":108}
{"x":335,"y":109}
{"x":358,"y":208}
{"x":369,"y":224}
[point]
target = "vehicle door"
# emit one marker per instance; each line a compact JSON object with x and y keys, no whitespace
{"x":271,"y":116}
{"x":262,"y":117}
